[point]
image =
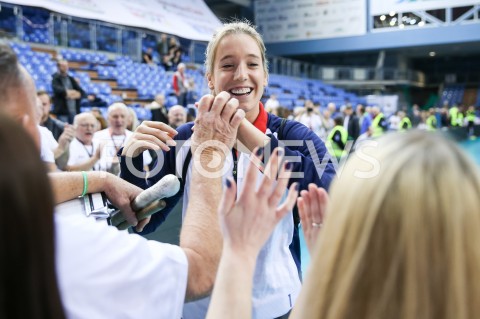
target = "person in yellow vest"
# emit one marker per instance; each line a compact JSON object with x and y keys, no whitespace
{"x":456,"y":116}
{"x":470,"y":116}
{"x":405,"y":123}
{"x":337,"y":139}
{"x":431,"y":121}
{"x":379,"y":124}
{"x":453,"y":115}
{"x":470,"y":122}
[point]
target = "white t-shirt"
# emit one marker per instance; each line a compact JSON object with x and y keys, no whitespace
{"x":276,"y":281}
{"x":313,"y":122}
{"x":106,"y":273}
{"x":80,"y":153}
{"x":112,"y":145}
{"x":47,"y":144}
{"x":272,"y":104}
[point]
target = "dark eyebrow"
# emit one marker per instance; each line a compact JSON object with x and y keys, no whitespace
{"x":231,"y":56}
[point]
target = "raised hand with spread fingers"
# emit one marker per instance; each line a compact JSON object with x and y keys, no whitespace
{"x":246,"y":225}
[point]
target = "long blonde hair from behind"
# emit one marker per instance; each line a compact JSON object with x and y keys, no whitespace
{"x":402,"y":243}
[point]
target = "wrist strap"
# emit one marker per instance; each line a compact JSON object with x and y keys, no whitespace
{"x":85,"y":184}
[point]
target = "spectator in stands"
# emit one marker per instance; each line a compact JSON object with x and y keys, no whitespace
{"x":415,"y":115}
{"x":173,"y":45}
{"x":285,"y":113}
{"x":394,"y":122}
{"x":332,"y":108}
{"x":85,"y":151}
{"x":180,"y":84}
{"x":67,"y":93}
{"x":431,"y":121}
{"x":53,"y":153}
{"x":114,"y":138}
{"x":52,"y":124}
{"x":337,"y":139}
{"x":147,"y":57}
{"x":272,"y":104}
{"x":162,"y":46}
{"x":102,"y":123}
{"x":94,"y":101}
{"x":311,"y":118}
{"x":444,"y":117}
{"x":177,"y":58}
{"x":132,"y":120}
{"x":365,"y":118}
{"x":329,"y":123}
{"x":236,"y":71}
{"x":167,"y":62}
{"x":387,"y":247}
{"x":192,"y":96}
{"x":379,"y":123}
{"x":158,"y":109}
{"x":177,"y":116}
{"x":405,"y":123}
{"x":29,"y":283}
{"x":350,"y":123}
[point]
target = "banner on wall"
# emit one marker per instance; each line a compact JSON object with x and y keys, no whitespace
{"x":190,"y":19}
{"x":286,"y":20}
{"x":378,"y":7}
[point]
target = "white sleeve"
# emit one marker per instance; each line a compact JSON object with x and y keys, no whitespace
{"x":147,"y":158}
{"x":46,"y":151}
{"x":106,"y":273}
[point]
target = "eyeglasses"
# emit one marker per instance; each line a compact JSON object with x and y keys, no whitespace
{"x":86,"y":125}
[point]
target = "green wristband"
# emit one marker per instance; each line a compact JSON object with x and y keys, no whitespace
{"x":85,"y":184}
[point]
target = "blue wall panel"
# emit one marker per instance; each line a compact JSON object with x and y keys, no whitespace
{"x":465,"y":33}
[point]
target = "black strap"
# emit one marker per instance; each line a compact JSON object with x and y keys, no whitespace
{"x":187,"y":161}
{"x":280,"y":129}
{"x":235,"y":165}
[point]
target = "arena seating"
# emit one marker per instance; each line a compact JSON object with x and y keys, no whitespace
{"x":137,"y":83}
{"x":452,"y":94}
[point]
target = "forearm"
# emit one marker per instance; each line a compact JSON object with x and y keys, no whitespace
{"x":201,"y":237}
{"x":231,"y":297}
{"x":86,"y":166}
{"x":69,"y":185}
{"x":250,"y":137}
{"x":61,"y":157}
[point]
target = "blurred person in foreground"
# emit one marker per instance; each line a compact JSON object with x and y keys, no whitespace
{"x":29,"y":284}
{"x":139,"y":278}
{"x":382,"y":246}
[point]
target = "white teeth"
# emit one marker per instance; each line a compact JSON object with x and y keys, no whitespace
{"x":240,"y":91}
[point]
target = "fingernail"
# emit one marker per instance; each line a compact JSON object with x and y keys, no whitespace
{"x":297,"y":186}
{"x":259,"y":152}
{"x":288,"y":166}
{"x":228,"y":183}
